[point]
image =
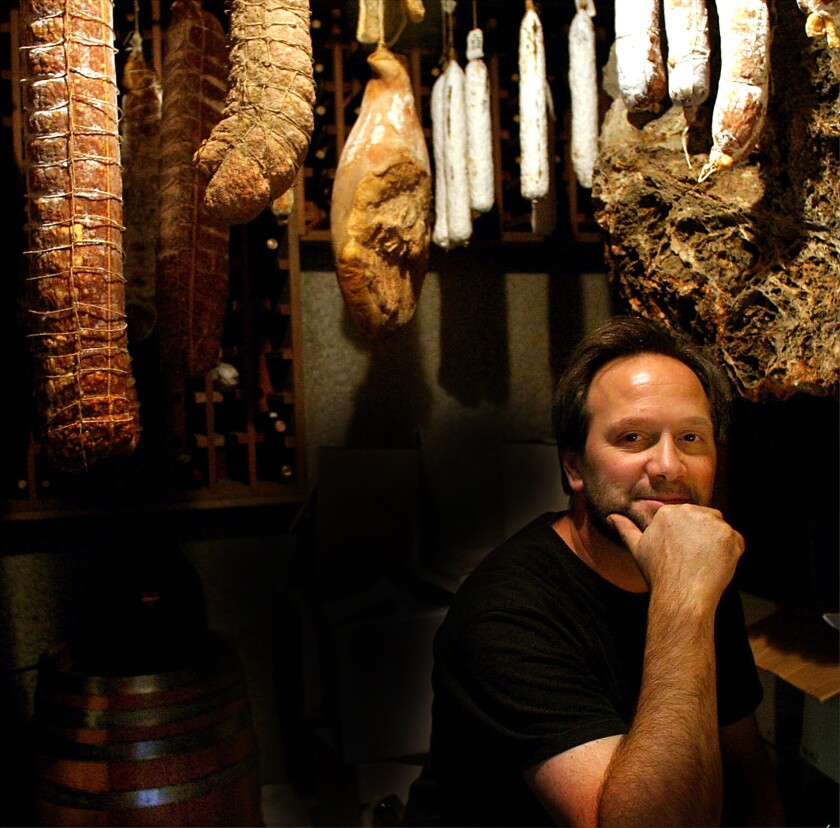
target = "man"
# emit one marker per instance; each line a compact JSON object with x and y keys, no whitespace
{"x":595,"y":669}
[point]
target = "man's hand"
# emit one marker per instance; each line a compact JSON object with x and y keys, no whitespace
{"x":689,"y":552}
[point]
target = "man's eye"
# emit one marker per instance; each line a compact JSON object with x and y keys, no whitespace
{"x":631,"y":437}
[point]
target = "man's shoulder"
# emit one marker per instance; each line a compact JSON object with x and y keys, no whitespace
{"x":534,"y":559}
{"x":526,"y":547}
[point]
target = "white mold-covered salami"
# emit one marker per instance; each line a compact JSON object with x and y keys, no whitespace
{"x":458,"y":215}
{"x":440,"y":235}
{"x":479,"y":125}
{"x":741,"y":102}
{"x":583,"y":86}
{"x":638,"y":54}
{"x":687,"y":30}
{"x":823,"y":20}
{"x":533,"y":124}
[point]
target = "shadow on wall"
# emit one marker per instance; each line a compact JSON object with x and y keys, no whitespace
{"x":579,"y":300}
{"x":394,"y":399}
{"x":474,"y":354}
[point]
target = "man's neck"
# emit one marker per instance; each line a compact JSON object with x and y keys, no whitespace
{"x":611,"y":560}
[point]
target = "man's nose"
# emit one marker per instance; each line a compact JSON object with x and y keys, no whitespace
{"x":666,"y":460}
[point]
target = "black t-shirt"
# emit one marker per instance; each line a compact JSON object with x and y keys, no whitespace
{"x":539,"y":654}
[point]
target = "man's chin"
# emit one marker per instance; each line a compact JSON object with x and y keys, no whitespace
{"x":637,"y":515}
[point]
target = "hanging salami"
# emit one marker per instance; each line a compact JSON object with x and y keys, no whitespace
{"x":192,"y":275}
{"x":687,"y":30}
{"x":533,"y":107}
{"x":642,"y":80}
{"x":741,"y":101}
{"x":458,"y":214}
{"x":479,"y":126}
{"x":583,"y":86}
{"x":75,"y":292}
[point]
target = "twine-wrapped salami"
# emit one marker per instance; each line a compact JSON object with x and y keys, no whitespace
{"x":252,"y":156}
{"x":192,"y":274}
{"x":86,"y":400}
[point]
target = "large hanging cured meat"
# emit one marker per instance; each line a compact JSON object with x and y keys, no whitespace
{"x":86,"y":400}
{"x":381,"y":204}
{"x":252,"y":156}
{"x":192,"y":275}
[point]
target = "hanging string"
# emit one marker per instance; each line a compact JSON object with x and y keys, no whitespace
{"x":381,"y":23}
{"x":443,"y":37}
{"x":475,"y":13}
{"x":447,"y":9}
{"x":135,"y":39}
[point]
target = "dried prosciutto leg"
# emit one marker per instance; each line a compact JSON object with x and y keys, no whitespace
{"x":252,"y":156}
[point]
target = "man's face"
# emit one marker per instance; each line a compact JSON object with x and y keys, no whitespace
{"x":650,"y":441}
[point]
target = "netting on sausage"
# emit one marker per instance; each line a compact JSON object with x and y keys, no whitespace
{"x":75,"y":295}
{"x":254,"y":154}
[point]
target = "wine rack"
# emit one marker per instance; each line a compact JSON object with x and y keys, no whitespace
{"x":341,"y":71}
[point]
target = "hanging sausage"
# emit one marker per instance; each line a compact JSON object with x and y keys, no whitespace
{"x":638,"y":55}
{"x":583,"y":86}
{"x":823,"y":20}
{"x":687,"y":30}
{"x":192,"y":275}
{"x":741,"y":102}
{"x":479,"y":126}
{"x":75,"y":292}
{"x":533,"y":107}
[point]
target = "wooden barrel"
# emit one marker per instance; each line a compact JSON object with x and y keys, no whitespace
{"x":174,"y":748}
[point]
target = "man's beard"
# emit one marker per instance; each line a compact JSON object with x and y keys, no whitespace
{"x":600,"y":508}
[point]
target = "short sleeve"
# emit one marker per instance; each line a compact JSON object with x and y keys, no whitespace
{"x":528,"y":686}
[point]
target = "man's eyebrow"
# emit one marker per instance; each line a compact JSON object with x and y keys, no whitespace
{"x":641,"y":420}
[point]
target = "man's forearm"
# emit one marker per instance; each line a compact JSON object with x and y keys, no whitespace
{"x":667,"y":770}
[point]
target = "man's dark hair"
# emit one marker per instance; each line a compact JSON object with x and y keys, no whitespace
{"x":625,"y":336}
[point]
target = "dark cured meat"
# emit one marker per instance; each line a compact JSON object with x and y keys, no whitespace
{"x":86,"y":400}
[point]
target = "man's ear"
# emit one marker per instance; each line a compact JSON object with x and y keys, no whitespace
{"x":572,"y":461}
